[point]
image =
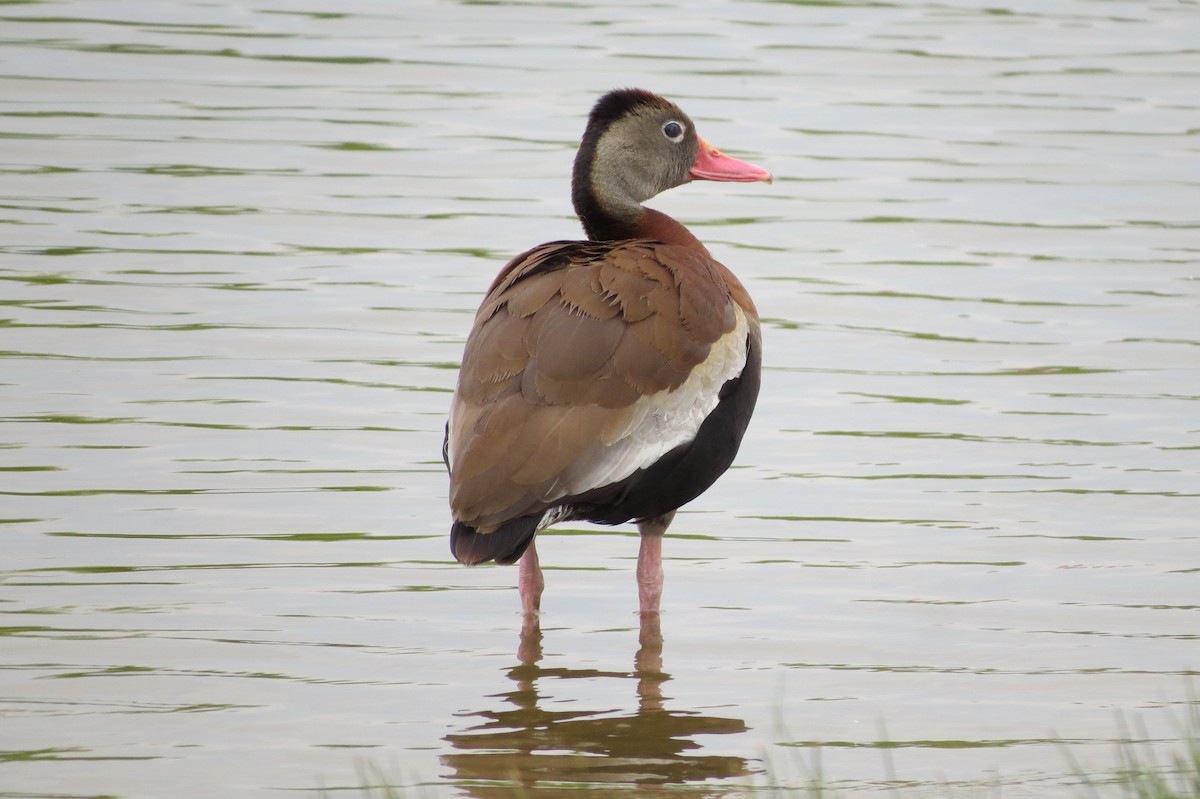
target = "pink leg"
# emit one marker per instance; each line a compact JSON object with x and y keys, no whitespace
{"x":650,"y":573}
{"x":529,"y":581}
{"x":649,"y":568}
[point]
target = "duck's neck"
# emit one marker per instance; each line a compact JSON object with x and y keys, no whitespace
{"x":657,"y":225}
{"x":612,"y":210}
{"x":642,"y":223}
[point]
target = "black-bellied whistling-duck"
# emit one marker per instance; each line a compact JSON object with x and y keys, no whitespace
{"x":609,"y":379}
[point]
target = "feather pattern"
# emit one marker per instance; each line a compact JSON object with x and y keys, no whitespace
{"x":587,"y":362}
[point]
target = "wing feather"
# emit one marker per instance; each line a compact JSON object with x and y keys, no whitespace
{"x":588,"y":360}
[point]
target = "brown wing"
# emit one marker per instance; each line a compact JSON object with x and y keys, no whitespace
{"x":569,"y":337}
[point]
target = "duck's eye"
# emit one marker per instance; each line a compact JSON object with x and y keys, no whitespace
{"x":673,"y":131}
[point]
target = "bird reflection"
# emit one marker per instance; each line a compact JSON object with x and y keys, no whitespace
{"x":525,"y":749}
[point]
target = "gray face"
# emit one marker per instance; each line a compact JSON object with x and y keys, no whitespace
{"x":645,"y":152}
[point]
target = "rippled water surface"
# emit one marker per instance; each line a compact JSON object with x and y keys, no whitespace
{"x":241,"y":246}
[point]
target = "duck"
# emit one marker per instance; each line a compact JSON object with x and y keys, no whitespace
{"x":609,"y":379}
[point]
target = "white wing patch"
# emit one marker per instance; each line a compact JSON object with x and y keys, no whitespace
{"x":659,"y":422}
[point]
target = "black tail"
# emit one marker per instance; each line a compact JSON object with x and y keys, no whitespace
{"x":506,"y":545}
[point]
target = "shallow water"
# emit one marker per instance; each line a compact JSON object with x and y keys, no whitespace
{"x":241,"y":249}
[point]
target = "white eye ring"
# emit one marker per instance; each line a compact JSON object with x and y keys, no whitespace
{"x":674,"y":130}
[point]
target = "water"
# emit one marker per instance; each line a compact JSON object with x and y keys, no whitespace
{"x":241,"y":248}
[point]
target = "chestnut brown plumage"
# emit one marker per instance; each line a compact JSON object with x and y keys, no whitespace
{"x":611,"y":379}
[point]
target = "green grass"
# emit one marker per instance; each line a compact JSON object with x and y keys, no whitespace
{"x":1140,"y":773}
